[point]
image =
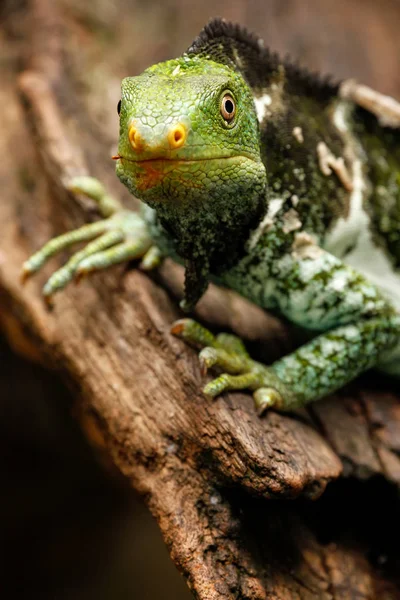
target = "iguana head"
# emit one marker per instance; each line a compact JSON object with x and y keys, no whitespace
{"x":188,"y":132}
{"x":190,"y":148}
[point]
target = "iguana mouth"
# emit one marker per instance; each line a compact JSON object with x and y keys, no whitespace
{"x":162,"y":159}
{"x":151,"y":172}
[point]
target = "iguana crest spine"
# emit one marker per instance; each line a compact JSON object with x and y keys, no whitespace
{"x":233,"y":45}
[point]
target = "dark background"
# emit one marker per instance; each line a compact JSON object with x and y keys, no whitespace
{"x":56,"y":545}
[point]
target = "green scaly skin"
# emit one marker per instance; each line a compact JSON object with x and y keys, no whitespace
{"x":246,"y":202}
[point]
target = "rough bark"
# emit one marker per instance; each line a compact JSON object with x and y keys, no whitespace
{"x":137,"y":387}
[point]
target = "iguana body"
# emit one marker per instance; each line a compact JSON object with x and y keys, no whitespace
{"x":266,"y":180}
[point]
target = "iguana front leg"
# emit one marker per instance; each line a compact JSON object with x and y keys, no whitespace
{"x":313,"y":371}
{"x":319,"y":292}
{"x":121,"y":236}
{"x":227,"y":353}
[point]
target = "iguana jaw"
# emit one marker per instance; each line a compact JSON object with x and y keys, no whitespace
{"x":183,"y":179}
{"x":175,"y":143}
{"x":201,"y":172}
{"x":163,"y":159}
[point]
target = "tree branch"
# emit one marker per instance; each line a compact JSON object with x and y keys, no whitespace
{"x":139,"y":386}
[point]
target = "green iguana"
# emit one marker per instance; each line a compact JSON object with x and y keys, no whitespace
{"x":270,"y":181}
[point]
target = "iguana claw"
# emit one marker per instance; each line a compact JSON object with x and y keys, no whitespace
{"x":119,"y":237}
{"x":226,"y":352}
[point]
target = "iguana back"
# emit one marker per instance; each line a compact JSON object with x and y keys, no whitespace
{"x":326,"y":157}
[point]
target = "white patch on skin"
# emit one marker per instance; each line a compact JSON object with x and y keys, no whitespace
{"x":385,"y":108}
{"x":331,"y":347}
{"x":346,"y":230}
{"x":373,"y":262}
{"x":291,"y":221}
{"x":339,"y":281}
{"x":328,"y":162}
{"x":308,"y":269}
{"x":262,"y":104}
{"x":237,"y":58}
{"x":305,"y":246}
{"x":340,"y":117}
{"x":354,"y":232}
{"x":274,"y":207}
{"x":176,"y":70}
{"x":298,"y":134}
{"x":295,"y":200}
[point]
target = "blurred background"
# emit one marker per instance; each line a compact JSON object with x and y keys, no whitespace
{"x":56,"y":546}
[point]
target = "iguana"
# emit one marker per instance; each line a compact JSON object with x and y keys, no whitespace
{"x":271,"y":181}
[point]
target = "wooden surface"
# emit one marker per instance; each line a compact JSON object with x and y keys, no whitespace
{"x":208,"y":470}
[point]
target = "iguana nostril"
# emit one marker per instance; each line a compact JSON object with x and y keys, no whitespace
{"x":135,"y":138}
{"x":177,"y":136}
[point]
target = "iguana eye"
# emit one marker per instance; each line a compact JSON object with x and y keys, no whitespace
{"x":228,"y":107}
{"x":119,"y":107}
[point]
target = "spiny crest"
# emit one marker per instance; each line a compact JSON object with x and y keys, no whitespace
{"x":234,"y":45}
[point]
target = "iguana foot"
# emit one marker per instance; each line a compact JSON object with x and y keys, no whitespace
{"x":121,"y":236}
{"x":227,"y":353}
